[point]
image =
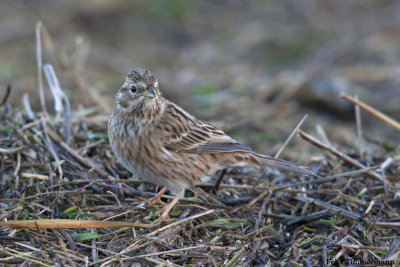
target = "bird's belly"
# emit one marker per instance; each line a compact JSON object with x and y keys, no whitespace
{"x":125,"y":152}
{"x":176,"y":171}
{"x":159,"y":173}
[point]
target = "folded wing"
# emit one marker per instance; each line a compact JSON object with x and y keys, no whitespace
{"x":179,"y":131}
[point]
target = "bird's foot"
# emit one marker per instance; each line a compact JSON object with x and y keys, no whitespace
{"x":156,"y":200}
{"x":164,"y":217}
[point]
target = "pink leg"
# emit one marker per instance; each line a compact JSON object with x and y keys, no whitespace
{"x":157,"y":198}
{"x":166,"y":210}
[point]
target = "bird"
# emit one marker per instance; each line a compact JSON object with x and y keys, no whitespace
{"x":161,"y":143}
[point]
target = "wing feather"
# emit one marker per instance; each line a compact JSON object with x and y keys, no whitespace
{"x":179,"y":131}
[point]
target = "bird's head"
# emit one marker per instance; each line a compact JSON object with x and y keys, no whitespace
{"x":140,"y":92}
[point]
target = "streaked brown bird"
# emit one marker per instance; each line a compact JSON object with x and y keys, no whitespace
{"x":158,"y":141}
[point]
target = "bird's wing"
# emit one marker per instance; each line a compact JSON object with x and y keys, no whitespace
{"x":179,"y":131}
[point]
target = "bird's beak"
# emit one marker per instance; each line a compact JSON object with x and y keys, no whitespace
{"x":149,"y":92}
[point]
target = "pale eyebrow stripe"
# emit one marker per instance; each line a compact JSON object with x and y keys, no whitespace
{"x":141,"y":84}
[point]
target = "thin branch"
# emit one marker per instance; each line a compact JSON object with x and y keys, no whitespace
{"x":359,"y":129}
{"x":262,"y":209}
{"x":179,"y":222}
{"x":61,"y":102}
{"x":281,"y":149}
{"x":5,"y":97}
{"x":39,"y":68}
{"x":327,"y":178}
{"x":373,"y":111}
{"x":320,"y":203}
{"x":339,"y":154}
{"x":82,"y":160}
{"x":290,"y":136}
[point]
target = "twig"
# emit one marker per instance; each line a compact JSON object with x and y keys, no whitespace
{"x":179,"y":222}
{"x":388,"y":224}
{"x":11,"y":150}
{"x":34,"y":176}
{"x":392,"y":249}
{"x":237,"y":257}
{"x":258,"y":198}
{"x":26,"y":258}
{"x":385,"y":185}
{"x":359,"y":243}
{"x":48,"y":194}
{"x":281,"y":149}
{"x":324,"y":255}
{"x":262,"y":210}
{"x":61,"y":223}
{"x":39,"y":68}
{"x":5,"y":97}
{"x":134,"y":245}
{"x":363,"y":247}
{"x":219,"y":180}
{"x":346,"y":213}
{"x":15,"y":174}
{"x":315,"y":216}
{"x":386,"y":163}
{"x":339,"y":154}
{"x":322,"y":134}
{"x":359,"y":129}
{"x":27,"y":107}
{"x":94,"y":248}
{"x":82,"y":160}
{"x":61,"y":102}
{"x":372,"y":110}
{"x":46,"y":140}
{"x":371,"y":204}
{"x":170,"y":251}
{"x":158,"y":262}
{"x":209,"y":198}
{"x":101,"y":249}
{"x":290,"y":136}
{"x":116,"y":198}
{"x":327,"y":178}
{"x":8,"y":213}
{"x":52,"y":150}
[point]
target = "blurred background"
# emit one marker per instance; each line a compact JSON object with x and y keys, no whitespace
{"x":253,"y":68}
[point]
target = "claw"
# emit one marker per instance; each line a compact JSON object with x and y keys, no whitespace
{"x":157,"y":198}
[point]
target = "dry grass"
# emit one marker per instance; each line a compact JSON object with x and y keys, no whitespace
{"x":294,"y":219}
{"x":62,"y":168}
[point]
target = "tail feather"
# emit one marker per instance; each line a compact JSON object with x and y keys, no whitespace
{"x":283,"y":165}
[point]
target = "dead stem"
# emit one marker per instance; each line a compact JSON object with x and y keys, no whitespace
{"x":372,"y":111}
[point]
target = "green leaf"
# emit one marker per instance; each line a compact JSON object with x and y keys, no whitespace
{"x":175,"y":213}
{"x":308,"y":229}
{"x":309,"y":240}
{"x":22,"y":215}
{"x":85,"y":236}
{"x":331,"y":220}
{"x":71,"y":209}
{"x":362,"y":192}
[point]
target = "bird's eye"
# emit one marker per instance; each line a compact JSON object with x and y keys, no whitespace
{"x":132,"y":88}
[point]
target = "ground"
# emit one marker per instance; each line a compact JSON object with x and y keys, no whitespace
{"x":254,"y":70}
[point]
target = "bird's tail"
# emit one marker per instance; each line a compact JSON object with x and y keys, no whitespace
{"x":269,"y":161}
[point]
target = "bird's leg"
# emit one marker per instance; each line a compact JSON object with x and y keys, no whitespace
{"x":168,"y":207}
{"x":165,"y":210}
{"x":157,"y":198}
